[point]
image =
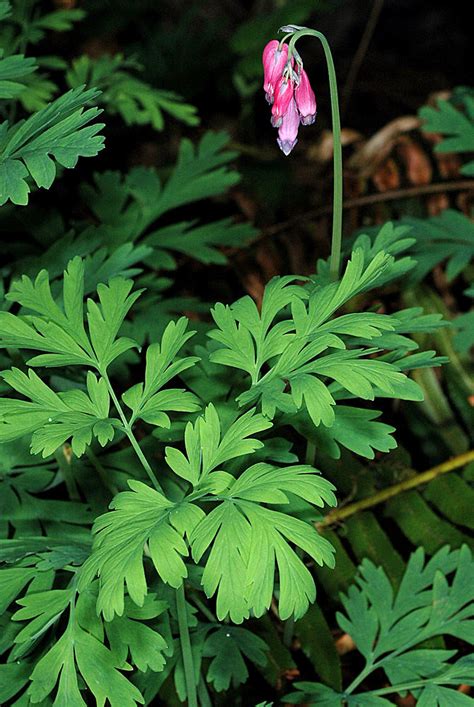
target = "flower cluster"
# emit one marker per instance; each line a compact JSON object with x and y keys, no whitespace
{"x":289,"y":93}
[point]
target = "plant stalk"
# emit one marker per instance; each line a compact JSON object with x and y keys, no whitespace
{"x":184,"y":638}
{"x":186,"y":649}
{"x":66,"y":469}
{"x":336,"y":241}
{"x":360,"y":678}
{"x":103,"y":475}
{"x":129,"y":432}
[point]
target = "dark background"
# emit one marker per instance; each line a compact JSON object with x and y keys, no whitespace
{"x":418,"y":47}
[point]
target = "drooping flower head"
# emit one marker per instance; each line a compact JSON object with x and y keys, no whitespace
{"x":288,"y":91}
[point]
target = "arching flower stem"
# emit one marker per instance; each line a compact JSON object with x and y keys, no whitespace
{"x":335,"y":258}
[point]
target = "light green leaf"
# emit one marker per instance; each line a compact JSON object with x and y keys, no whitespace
{"x":289,"y":360}
{"x":12,"y":68}
{"x":138,"y":517}
{"x":207,"y":446}
{"x":162,"y":365}
{"x":52,"y":417}
{"x":79,"y":652}
{"x":248,"y":541}
{"x":129,"y":634}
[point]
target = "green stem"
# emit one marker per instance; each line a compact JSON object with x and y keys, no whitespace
{"x":335,"y":258}
{"x":186,"y":649}
{"x":204,"y":610}
{"x":129,"y":432}
{"x":310,"y":452}
{"x":66,"y":469}
{"x":103,"y":475}
{"x":360,"y":678}
{"x":180,"y":598}
{"x":288,"y":631}
{"x":203,"y":693}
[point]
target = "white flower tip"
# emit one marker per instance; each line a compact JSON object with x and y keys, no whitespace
{"x":286,"y":146}
{"x":308,"y":119}
{"x":276,"y":120}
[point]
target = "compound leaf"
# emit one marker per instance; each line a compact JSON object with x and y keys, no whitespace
{"x":247,"y":541}
{"x":63,"y":131}
{"x":147,"y":401}
{"x":138,"y":517}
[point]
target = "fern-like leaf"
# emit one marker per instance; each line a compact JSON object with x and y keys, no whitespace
{"x":61,"y":132}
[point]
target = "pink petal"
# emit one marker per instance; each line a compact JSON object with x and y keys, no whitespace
{"x":274,"y":61}
{"x":284,"y":93}
{"x":288,"y":130}
{"x":305,"y":99}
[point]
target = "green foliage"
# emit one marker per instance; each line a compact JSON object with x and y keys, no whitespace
{"x":13,"y":68}
{"x":227,"y":647}
{"x":448,"y":238}
{"x":354,"y":428}
{"x":53,"y":418}
{"x":128,"y":206}
{"x":387,"y":627}
{"x":120,"y":90}
{"x":457,"y":126}
{"x":289,"y":357}
{"x":243,"y":574}
{"x":60,"y":332}
{"x":146,"y":400}
{"x":60,"y":132}
{"x":151,"y":480}
{"x":242,"y":534}
{"x":136,"y":101}
{"x":464,"y":338}
{"x":24,"y":25}
{"x":80,"y":651}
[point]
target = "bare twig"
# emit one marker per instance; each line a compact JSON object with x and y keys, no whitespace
{"x":424,"y":477}
{"x":369,"y":199}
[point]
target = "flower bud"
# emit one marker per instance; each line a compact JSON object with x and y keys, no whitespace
{"x":288,"y":130}
{"x":305,"y":99}
{"x":284,"y":93}
{"x":274,"y":61}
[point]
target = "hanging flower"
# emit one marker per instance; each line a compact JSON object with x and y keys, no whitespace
{"x":274,"y":61}
{"x":288,"y":130}
{"x":305,"y":99}
{"x":284,"y":93}
{"x":289,"y":92}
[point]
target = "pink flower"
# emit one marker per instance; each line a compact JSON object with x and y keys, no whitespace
{"x":284,"y":93}
{"x":305,"y":99}
{"x":288,"y":130}
{"x":274,"y":61}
